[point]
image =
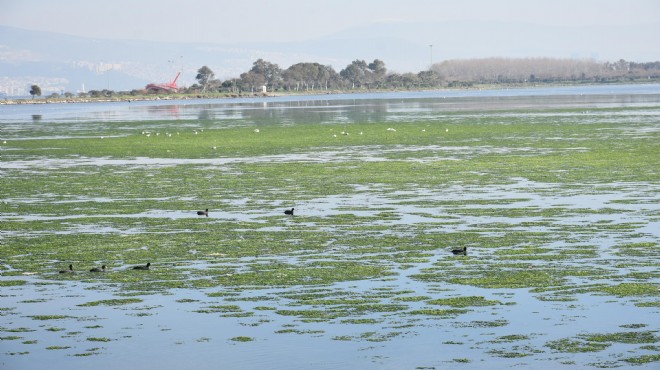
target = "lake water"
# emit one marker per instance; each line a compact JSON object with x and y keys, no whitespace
{"x":340,"y":108}
{"x":167,"y":330}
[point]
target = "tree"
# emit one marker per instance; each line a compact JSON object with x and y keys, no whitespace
{"x":410,"y":79}
{"x":253,"y":80}
{"x":309,"y":75}
{"x":271,"y":73}
{"x":232,"y":85}
{"x":204,"y":76}
{"x":35,"y":90}
{"x":360,"y":73}
{"x":507,"y":70}
{"x":429,"y":78}
{"x":378,"y":70}
{"x":356,"y":72}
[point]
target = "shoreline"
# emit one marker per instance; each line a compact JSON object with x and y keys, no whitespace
{"x":194,"y":96}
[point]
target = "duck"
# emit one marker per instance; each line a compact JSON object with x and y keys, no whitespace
{"x":96,"y":269}
{"x":289,"y":212}
{"x":142,"y":267}
{"x":460,"y":251}
{"x":203,"y":213}
{"x":69,"y":271}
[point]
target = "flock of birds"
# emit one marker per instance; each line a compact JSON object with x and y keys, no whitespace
{"x":457,"y":252}
{"x":102,"y":268}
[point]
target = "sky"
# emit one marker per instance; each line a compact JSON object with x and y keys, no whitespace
{"x":408,"y":35}
{"x":232,"y":21}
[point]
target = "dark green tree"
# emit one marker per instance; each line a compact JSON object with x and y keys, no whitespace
{"x":253,"y":81}
{"x":357,"y":73}
{"x":429,"y":78}
{"x":35,"y":90}
{"x":204,"y":76}
{"x":309,"y":76}
{"x":378,"y":67}
{"x":378,"y":75}
{"x":271,"y":73}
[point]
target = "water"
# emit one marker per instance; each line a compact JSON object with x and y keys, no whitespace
{"x":166,"y":330}
{"x":340,"y":108}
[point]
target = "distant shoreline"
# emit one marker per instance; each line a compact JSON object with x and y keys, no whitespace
{"x":197,"y":96}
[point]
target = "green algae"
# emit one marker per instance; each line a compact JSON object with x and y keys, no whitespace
{"x":11,"y":337}
{"x":440,"y":313}
{"x":464,"y":302}
{"x":49,"y":317}
{"x":8,"y":283}
{"x":631,"y":337}
{"x":644,"y":359}
{"x":511,"y":338}
{"x":242,"y":339}
{"x":111,"y":302}
{"x":57,"y":348}
{"x":219,"y":309}
{"x":576,"y":346}
{"x":632,"y":290}
{"x":599,"y":341}
{"x":358,"y":221}
{"x":99,"y":339}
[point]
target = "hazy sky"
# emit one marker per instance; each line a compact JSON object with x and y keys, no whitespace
{"x":235,"y":21}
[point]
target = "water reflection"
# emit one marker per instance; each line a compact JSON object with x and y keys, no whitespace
{"x":340,"y":108}
{"x":172,"y":111}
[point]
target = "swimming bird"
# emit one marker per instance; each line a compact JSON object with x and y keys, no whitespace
{"x":203,"y":213}
{"x":69,"y":271}
{"x":142,"y":267}
{"x":289,"y":212}
{"x":460,"y":251}
{"x":96,"y":269}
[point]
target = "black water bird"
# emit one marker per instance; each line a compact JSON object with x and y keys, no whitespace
{"x":289,"y":212}
{"x":203,"y":213}
{"x":96,"y":269}
{"x":142,"y":267}
{"x":69,"y":271}
{"x":460,"y":251}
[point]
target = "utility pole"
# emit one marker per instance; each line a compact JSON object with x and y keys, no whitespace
{"x":431,"y":47}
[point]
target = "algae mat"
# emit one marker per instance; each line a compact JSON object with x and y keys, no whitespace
{"x":558,"y":209}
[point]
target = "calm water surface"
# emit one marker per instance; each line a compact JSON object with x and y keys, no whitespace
{"x":340,"y":108}
{"x":165,"y":330}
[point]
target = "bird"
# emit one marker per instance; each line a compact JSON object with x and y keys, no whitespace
{"x":460,"y":251}
{"x":142,"y":267}
{"x":96,"y":269}
{"x":289,"y":212}
{"x":69,"y":271}
{"x":203,"y":213}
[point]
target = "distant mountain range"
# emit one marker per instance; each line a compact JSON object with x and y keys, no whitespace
{"x":60,"y":63}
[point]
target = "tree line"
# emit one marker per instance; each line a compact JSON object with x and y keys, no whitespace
{"x":546,"y":70}
{"x":298,"y":77}
{"x":450,"y":73}
{"x":359,"y":74}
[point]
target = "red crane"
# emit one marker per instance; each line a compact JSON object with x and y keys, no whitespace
{"x":167,"y":87}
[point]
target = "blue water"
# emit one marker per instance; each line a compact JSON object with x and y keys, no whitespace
{"x":329,"y":108}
